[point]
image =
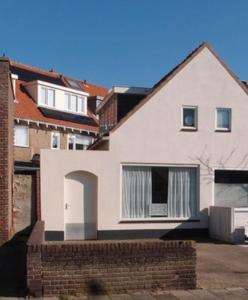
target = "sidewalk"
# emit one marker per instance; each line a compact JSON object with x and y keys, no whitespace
{"x":200,"y":294}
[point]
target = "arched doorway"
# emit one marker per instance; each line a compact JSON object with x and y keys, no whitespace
{"x":80,"y":206}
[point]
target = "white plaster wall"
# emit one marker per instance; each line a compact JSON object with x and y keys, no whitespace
{"x":153,"y":135}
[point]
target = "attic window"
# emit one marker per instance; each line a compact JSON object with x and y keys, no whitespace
{"x":47,"y":97}
{"x":189,"y":118}
{"x":73,"y":84}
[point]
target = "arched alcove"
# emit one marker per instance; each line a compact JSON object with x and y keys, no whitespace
{"x":80,"y":205}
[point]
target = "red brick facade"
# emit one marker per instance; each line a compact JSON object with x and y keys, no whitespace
{"x":116,"y":266}
{"x":6,"y":149}
{"x":108,"y":115}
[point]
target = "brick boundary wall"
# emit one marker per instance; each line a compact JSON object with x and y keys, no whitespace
{"x":55,"y":268}
{"x":6,"y":149}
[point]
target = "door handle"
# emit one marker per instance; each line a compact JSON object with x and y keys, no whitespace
{"x":66,"y":206}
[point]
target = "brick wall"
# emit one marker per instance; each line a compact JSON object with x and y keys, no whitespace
{"x":6,"y":149}
{"x":39,"y":138}
{"x":108,"y":114}
{"x":115,"y":266}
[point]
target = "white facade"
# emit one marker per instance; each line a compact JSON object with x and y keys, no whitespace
{"x":153,"y":136}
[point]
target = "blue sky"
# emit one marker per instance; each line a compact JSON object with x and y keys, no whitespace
{"x":122,"y":42}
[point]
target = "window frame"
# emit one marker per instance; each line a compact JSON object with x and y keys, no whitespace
{"x":189,"y":128}
{"x":221,"y":129}
{"x":19,"y":145}
{"x":57,"y":133}
{"x":163,"y":219}
{"x":74,"y":137}
{"x":74,"y":144}
{"x":46,"y":104}
{"x":83,"y":101}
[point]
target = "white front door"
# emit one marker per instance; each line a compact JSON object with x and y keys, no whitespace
{"x":80,"y":206}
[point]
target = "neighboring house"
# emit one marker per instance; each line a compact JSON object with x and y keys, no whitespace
{"x":180,"y":150}
{"x":52,"y":111}
{"x":117,"y":103}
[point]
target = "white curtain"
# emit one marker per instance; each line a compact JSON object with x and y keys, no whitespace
{"x":182,"y":192}
{"x":136,"y":191}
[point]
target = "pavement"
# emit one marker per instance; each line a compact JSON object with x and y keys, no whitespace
{"x":222,"y":273}
{"x":198,"y":294}
{"x":221,"y":266}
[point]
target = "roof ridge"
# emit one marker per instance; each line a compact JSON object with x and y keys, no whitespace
{"x":34,"y":69}
{"x":202,"y":45}
{"x":53,"y":74}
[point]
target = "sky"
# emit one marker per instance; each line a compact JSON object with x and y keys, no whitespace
{"x":122,"y":42}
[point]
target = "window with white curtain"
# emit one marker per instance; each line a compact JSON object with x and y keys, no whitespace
{"x":158,"y":192}
{"x":223,"y":119}
{"x":21,"y":136}
{"x":78,"y":141}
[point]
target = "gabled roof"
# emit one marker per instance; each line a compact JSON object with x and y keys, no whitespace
{"x":26,"y":108}
{"x":164,"y":80}
{"x":28,"y":73}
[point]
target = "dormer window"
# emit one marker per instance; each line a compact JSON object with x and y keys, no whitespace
{"x":52,"y":96}
{"x":75,"y":103}
{"x":47,"y":97}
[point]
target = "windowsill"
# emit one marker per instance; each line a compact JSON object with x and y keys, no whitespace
{"x":159,"y":220}
{"x":21,"y":146}
{"x":188,"y":129}
{"x":222,"y":130}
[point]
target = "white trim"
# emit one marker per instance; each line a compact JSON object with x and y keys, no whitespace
{"x":57,"y":133}
{"x":229,"y":119}
{"x":57,"y":87}
{"x":192,"y":128}
{"x":155,"y":219}
{"x":53,"y":125}
{"x":22,"y":146}
{"x":160,"y":165}
{"x":14,"y":76}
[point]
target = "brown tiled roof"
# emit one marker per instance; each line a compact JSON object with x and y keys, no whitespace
{"x":26,"y":108}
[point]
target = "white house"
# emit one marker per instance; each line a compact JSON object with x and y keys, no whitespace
{"x":182,"y":149}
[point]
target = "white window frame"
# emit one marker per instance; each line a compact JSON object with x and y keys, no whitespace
{"x":46,"y":104}
{"x":229,"y":119}
{"x":157,"y":219}
{"x":74,"y":137}
{"x":56,"y":133}
{"x":76,"y":111}
{"x":24,"y":127}
{"x":190,"y":128}
{"x":74,"y":143}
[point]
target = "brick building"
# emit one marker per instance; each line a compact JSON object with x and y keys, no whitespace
{"x":40,"y":110}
